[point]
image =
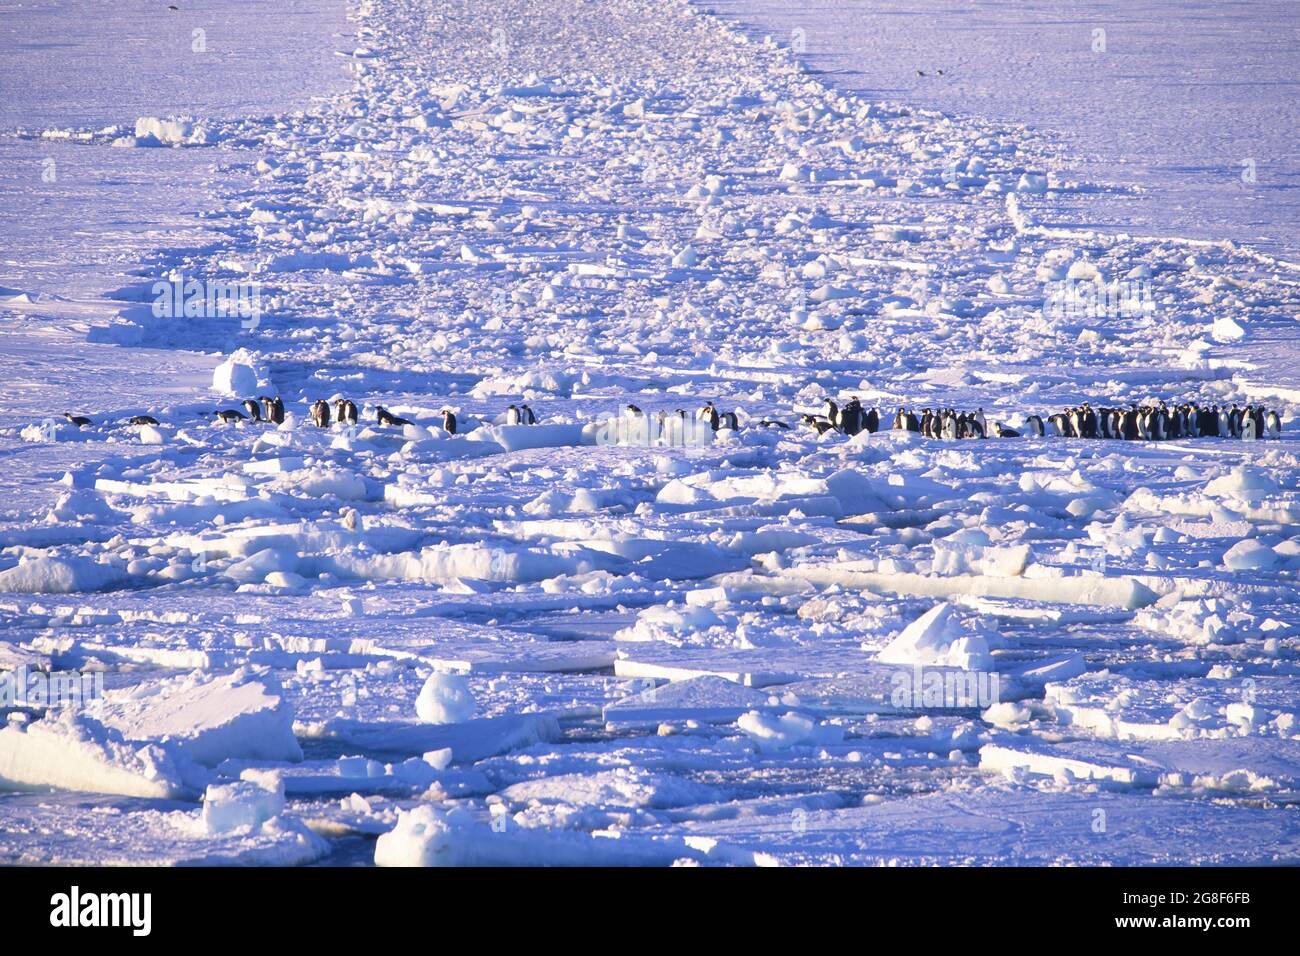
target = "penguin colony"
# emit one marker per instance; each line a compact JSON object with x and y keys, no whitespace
{"x":1134,"y":423}
{"x":707,"y":413}
{"x":271,"y":411}
{"x":1158,"y":422}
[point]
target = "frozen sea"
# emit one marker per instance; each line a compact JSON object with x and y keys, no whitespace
{"x":580,"y":641}
{"x":1183,"y":103}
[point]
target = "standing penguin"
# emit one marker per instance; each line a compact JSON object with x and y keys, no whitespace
{"x":345,"y":411}
{"x":254,"y":410}
{"x":527,"y":416}
{"x":448,"y":421}
{"x":729,"y":420}
{"x":1130,"y":429}
{"x":1174,"y":424}
{"x":709,"y":414}
{"x":1075,"y":418}
{"x":1034,"y":425}
{"x":1089,"y":421}
{"x":871,"y":420}
{"x":982,"y":422}
{"x":851,"y":416}
{"x":1273,"y":425}
{"x":1248,"y":430}
{"x":320,"y":414}
{"x":832,"y":412}
{"x":512,"y":415}
{"x":950,"y":428}
{"x":272,"y":409}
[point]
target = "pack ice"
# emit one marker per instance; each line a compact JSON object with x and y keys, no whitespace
{"x":620,"y":635}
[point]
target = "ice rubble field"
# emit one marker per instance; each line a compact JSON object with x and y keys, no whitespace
{"x":516,"y":645}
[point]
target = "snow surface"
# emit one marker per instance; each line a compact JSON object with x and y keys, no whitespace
{"x":1159,"y":110}
{"x":560,"y":643}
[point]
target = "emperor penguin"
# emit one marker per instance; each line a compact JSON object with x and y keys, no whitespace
{"x":1002,"y":431}
{"x":1157,"y":430}
{"x":900,"y":420}
{"x":1224,"y":429}
{"x":1089,"y":420}
{"x":81,"y":421}
{"x":228,"y":416}
{"x":1174,"y":424}
{"x":449,"y":421}
{"x":832,"y":412}
{"x":982,"y":422}
{"x":1248,"y":428}
{"x":320,"y":413}
{"x":1034,"y":424}
{"x":949,"y":427}
{"x":871,"y":420}
{"x":512,"y":415}
{"x":729,"y":420}
{"x":272,"y":409}
{"x":527,"y":416}
{"x":142,"y":420}
{"x":820,"y":425}
{"x":1273,"y":425}
{"x":345,"y":411}
{"x":709,"y":414}
{"x":385,"y":417}
{"x":851,"y":416}
{"x":1207,"y":422}
{"x":1131,"y":431}
{"x":254,"y":410}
